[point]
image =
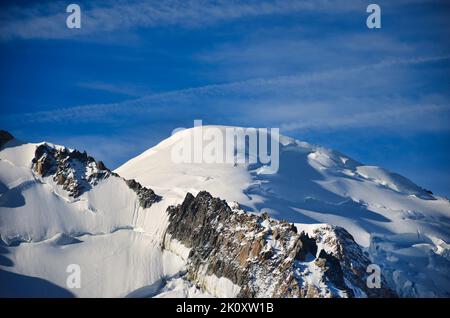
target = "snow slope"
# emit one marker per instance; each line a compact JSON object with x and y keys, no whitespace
{"x":405,"y":228}
{"x":112,"y":265}
{"x":105,"y":231}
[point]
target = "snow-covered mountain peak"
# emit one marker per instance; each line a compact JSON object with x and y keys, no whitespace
{"x":317,"y":185}
{"x":311,"y":182}
{"x":306,"y":156}
{"x":63,"y":206}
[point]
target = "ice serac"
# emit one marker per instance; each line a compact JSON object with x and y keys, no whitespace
{"x":263,"y":257}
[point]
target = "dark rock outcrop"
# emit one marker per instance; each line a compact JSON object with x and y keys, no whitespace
{"x":77,"y":172}
{"x":265,"y":257}
{"x":146,"y":196}
{"x":5,"y":137}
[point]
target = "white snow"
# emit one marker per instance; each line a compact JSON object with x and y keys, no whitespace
{"x":112,"y":265}
{"x":181,"y":288}
{"x":404,"y":228}
{"x":220,"y":287}
{"x":176,"y":247}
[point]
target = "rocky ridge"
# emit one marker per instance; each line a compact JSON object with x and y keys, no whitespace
{"x":265,"y":257}
{"x":77,"y":172}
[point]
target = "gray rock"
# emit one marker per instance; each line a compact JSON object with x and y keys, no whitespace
{"x":146,"y":196}
{"x":266,"y":257}
{"x":77,"y":172}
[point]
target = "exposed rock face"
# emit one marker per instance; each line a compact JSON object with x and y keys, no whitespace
{"x":146,"y":196}
{"x":265,"y":257}
{"x":5,"y":137}
{"x":337,"y":246}
{"x":77,"y":172}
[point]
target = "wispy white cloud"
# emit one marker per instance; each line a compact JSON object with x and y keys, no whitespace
{"x":47,"y":20}
{"x":412,"y":117}
{"x":128,"y":89}
{"x":280,"y":100}
{"x":270,"y":52}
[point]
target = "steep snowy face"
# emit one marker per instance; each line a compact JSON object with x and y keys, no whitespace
{"x":317,"y":185}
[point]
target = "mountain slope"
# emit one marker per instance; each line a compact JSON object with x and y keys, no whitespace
{"x":163,"y":235}
{"x":60,"y":207}
{"x":403,"y":227}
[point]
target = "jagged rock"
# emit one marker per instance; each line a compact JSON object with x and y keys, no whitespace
{"x":307,"y":245}
{"x":77,"y":172}
{"x":146,"y":196}
{"x":5,"y":137}
{"x":353,"y":260}
{"x":332,"y":269}
{"x":265,"y":257}
{"x":101,"y":165}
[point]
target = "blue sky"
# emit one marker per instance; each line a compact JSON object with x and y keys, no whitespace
{"x":136,"y":70}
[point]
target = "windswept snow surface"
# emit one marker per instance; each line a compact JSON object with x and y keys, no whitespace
{"x":405,"y":228}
